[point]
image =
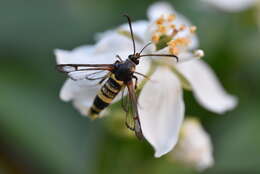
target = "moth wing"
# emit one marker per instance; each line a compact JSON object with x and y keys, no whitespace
{"x":85,"y":71}
{"x":133,"y":119}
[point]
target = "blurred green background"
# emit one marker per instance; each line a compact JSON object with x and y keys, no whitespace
{"x":41,"y":134}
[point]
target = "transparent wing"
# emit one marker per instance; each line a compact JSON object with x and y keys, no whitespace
{"x":132,"y":120}
{"x":66,"y":68}
{"x":86,"y":71}
{"x":126,"y":105}
{"x":87,"y":75}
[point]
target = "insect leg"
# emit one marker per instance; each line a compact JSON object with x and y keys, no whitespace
{"x":136,"y":81}
{"x":142,"y":75}
{"x":120,"y":59}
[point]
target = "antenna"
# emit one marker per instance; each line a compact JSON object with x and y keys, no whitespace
{"x":131,"y":30}
{"x":145,"y":47}
{"x":162,"y":55}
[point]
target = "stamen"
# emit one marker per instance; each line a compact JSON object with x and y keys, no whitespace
{"x":166,"y":35}
{"x":173,"y":26}
{"x":161,"y":29}
{"x":198,"y":53}
{"x":193,"y":29}
{"x":174,"y":50}
{"x":155,"y":38}
{"x":175,"y":45}
{"x":171,"y":18}
{"x":182,"y":27}
{"x":174,"y":32}
{"x":160,"y":20}
{"x":182,"y":41}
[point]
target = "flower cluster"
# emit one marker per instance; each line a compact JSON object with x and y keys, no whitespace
{"x":231,"y":5}
{"x":161,"y":98}
{"x":166,"y":32}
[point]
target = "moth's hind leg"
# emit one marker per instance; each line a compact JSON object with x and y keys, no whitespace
{"x":119,"y":58}
{"x":142,"y":75}
{"x":136,"y":81}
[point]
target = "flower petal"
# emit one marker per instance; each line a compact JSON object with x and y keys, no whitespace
{"x":83,"y":92}
{"x":83,"y":55}
{"x":231,"y":5}
{"x":194,"y":147}
{"x":114,"y":43}
{"x":80,"y":92}
{"x":161,"y":110}
{"x":139,"y":28}
{"x":157,"y":9}
{"x":206,"y":87}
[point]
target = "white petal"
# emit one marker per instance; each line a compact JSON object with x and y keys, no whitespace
{"x":194,"y":148}
{"x":83,"y":55}
{"x":139,"y":28}
{"x":182,"y":20}
{"x":80,"y":92}
{"x":231,"y":5}
{"x":76,"y":56}
{"x":66,"y":92}
{"x":161,"y":110}
{"x":115,"y":43}
{"x":157,"y":9}
{"x":206,"y":87}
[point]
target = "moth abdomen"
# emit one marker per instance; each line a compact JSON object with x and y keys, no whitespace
{"x":105,"y":96}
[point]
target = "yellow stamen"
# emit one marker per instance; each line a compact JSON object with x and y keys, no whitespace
{"x":173,"y":26}
{"x":172,"y":43}
{"x":171,"y":18}
{"x":160,"y":20}
{"x":161,"y":29}
{"x":174,"y":50}
{"x":182,"y":41}
{"x":182,"y":27}
{"x":193,"y":29}
{"x":155,"y":38}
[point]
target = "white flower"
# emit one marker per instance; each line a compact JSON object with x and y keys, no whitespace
{"x":194,"y":147}
{"x":161,"y":106}
{"x":231,"y":5}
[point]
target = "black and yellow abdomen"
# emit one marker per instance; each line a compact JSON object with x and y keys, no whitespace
{"x":106,"y":95}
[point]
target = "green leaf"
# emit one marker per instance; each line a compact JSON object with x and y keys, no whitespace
{"x":162,"y":43}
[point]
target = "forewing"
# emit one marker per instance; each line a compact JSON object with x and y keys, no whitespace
{"x":85,"y":71}
{"x":87,"y":75}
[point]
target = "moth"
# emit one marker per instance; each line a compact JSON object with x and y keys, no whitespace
{"x":119,"y":76}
